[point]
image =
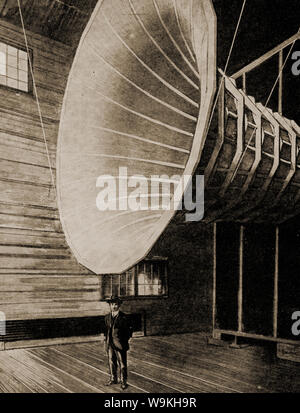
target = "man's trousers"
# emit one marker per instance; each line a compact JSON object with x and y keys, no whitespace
{"x":117,"y":358}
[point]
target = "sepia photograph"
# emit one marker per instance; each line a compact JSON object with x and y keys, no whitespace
{"x":150,"y":199}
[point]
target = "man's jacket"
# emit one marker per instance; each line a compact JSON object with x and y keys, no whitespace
{"x":118,"y":331}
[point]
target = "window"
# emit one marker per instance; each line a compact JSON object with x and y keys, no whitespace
{"x":146,"y":279}
{"x":14,"y":67}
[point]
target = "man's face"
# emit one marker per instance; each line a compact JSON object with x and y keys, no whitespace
{"x":114,"y":307}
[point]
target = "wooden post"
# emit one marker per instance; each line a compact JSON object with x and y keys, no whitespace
{"x":275,"y":302}
{"x":221,"y":110}
{"x":245,"y":82}
{"x":136,"y":280}
{"x":280,"y":68}
{"x":214,"y":303}
{"x":240,"y":292}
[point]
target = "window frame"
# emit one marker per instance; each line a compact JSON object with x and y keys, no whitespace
{"x":136,"y":296}
{"x":21,"y":47}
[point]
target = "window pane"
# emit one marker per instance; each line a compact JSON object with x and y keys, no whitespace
{"x":141,"y":289}
{"x":23,"y":76}
{"x":2,"y":80}
{"x":12,"y":83}
{"x":12,"y":61}
{"x":23,"y":86}
{"x":22,"y":55}
{"x":106,"y":286}
{"x":2,"y":70}
{"x":141,"y":278}
{"x":160,"y":288}
{"x":115,"y":289}
{"x":115,"y":284}
{"x":14,"y":67}
{"x":23,"y":65}
{"x":2,"y":58}
{"x":12,"y":51}
{"x":148,"y":289}
{"x":12,"y":72}
{"x":130,"y":282}
{"x":123,"y":284}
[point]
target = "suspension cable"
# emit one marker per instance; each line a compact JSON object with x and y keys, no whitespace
{"x":227,"y":63}
{"x":36,"y":94}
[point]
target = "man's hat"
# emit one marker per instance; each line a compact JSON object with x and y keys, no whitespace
{"x":114,"y":299}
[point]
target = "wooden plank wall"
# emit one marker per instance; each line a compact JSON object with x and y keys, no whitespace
{"x":39,"y":278}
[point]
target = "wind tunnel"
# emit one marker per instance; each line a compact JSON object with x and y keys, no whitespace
{"x":139,"y":98}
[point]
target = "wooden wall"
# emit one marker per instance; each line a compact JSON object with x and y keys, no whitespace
{"x":39,"y":277}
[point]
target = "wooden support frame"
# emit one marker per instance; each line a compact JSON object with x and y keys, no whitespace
{"x":296,"y":128}
{"x":270,"y":118}
{"x":266,"y":56}
{"x":240,"y":292}
{"x":221,"y":131}
{"x":218,"y":332}
{"x":240,"y":134}
{"x":292,"y":135}
{"x":244,"y":83}
{"x":276,"y":273}
{"x":250,"y":104}
{"x":214,"y":298}
{"x":258,"y":142}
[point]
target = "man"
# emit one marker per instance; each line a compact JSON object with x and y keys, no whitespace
{"x":117,"y":335}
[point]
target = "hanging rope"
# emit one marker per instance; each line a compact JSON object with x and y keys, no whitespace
{"x":227,"y":63}
{"x":36,"y":94}
{"x":264,"y":110}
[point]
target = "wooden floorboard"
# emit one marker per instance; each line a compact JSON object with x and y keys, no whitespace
{"x":181,"y":363}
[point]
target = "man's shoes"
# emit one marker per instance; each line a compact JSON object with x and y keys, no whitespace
{"x":124,"y":386}
{"x":111,"y":382}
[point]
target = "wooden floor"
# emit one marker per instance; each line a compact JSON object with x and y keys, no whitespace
{"x":170,"y":364}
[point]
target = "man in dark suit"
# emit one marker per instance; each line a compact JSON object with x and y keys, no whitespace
{"x":117,"y":335}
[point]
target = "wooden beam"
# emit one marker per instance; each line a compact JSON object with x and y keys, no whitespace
{"x":240,"y":292}
{"x":256,"y":336}
{"x":266,"y":56}
{"x":258,"y":142}
{"x":221,"y":132}
{"x":244,"y":83}
{"x":240,"y":135}
{"x":214,"y":278}
{"x":275,"y":300}
{"x":228,"y":206}
{"x":293,"y":140}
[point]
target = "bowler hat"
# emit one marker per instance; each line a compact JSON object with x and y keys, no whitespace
{"x":114,"y":299}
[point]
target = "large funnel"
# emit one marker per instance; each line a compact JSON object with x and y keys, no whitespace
{"x":139,"y":98}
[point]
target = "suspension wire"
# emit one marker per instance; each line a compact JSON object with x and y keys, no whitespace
{"x":227,"y":63}
{"x":36,"y":94}
{"x":264,"y":110}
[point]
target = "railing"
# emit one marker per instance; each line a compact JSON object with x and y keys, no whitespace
{"x":277,"y":50}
